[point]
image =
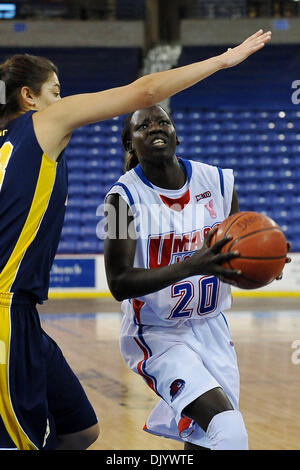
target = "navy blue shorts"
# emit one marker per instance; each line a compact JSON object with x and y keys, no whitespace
{"x":40,"y":396}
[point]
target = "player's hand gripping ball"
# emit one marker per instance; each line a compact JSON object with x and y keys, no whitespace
{"x":261,"y":244}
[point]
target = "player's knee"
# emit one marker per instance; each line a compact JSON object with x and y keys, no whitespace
{"x":227,"y":431}
{"x":90,"y":436}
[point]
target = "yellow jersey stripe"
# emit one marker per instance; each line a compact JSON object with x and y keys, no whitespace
{"x":38,"y":207}
{"x":5,"y":154}
{"x":9,"y":419}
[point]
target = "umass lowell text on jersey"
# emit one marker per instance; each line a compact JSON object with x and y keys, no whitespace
{"x":170,"y":225}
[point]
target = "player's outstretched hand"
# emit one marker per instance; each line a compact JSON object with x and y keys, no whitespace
{"x":239,"y":53}
{"x":208,"y":259}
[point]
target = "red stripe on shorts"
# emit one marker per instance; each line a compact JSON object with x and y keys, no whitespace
{"x":137,"y":305}
{"x":183,"y":425}
{"x":139,"y":366}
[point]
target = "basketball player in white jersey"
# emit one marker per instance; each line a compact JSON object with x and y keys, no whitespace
{"x":161,"y":215}
{"x":173,"y":286}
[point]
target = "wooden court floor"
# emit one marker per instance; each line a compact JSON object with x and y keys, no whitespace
{"x":266,"y":334}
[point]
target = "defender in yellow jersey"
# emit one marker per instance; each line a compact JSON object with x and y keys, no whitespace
{"x":42,"y":404}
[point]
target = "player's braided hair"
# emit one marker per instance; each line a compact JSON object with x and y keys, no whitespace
{"x":17,"y":71}
{"x":131,"y":160}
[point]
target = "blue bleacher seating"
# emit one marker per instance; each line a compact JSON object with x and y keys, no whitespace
{"x":67,"y":247}
{"x":72,"y":216}
{"x":263,"y":148}
{"x":87,"y":246}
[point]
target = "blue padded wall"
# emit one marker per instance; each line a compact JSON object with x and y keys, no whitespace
{"x":263,"y":80}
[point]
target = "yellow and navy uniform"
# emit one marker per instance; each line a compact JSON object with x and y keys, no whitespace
{"x":33,"y":192}
{"x":38,"y":390}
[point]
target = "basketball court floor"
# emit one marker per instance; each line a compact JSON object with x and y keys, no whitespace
{"x":266,"y":333}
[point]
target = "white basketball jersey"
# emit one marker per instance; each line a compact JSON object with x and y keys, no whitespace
{"x":170,"y":225}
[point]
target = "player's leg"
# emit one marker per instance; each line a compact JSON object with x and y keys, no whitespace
{"x":80,"y":440}
{"x":76,"y":423}
{"x":206,"y":388}
{"x":204,"y":408}
{"x":216,"y":410}
{"x":175,"y":372}
{"x":23,"y":403}
{"x":224,"y":425}
{"x":191,"y":446}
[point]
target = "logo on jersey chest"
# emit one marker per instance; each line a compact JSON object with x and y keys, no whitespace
{"x":210,"y":207}
{"x":203,"y":195}
{"x":171,"y":248}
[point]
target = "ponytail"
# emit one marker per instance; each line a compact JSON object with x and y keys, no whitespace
{"x":131,"y":161}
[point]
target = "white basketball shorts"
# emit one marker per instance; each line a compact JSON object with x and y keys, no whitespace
{"x":180,"y":364}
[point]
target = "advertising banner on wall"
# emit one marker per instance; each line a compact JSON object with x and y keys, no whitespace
{"x":73,"y":272}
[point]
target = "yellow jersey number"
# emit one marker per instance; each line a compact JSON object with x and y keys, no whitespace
{"x":5,"y":154}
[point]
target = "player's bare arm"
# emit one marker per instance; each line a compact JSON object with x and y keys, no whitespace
{"x":54,"y":124}
{"x":234,"y":203}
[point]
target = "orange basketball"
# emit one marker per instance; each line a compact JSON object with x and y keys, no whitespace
{"x":262,"y":246}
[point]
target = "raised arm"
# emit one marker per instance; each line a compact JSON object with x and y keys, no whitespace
{"x":125,"y":281}
{"x":54,"y":124}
